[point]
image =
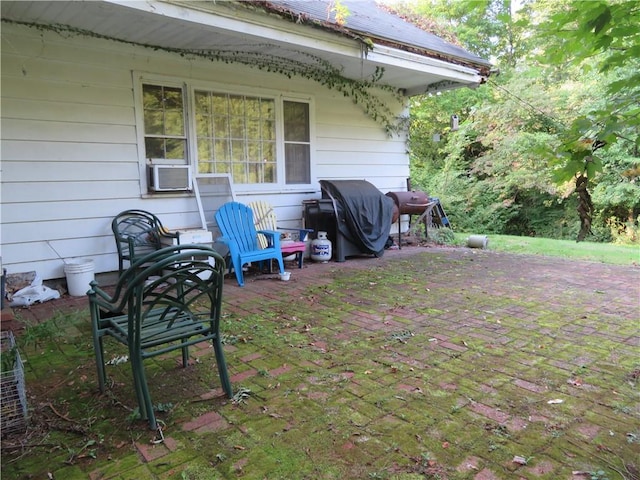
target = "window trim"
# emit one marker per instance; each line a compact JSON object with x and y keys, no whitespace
{"x":189,"y":86}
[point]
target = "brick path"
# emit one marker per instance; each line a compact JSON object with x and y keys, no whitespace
{"x":490,"y":336}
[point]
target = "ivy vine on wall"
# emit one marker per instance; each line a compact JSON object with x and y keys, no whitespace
{"x":364,"y":92}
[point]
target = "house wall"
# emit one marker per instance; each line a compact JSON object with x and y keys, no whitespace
{"x":70,"y":159}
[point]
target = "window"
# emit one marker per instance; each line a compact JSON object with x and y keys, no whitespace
{"x":164,"y":126}
{"x":297,"y":143}
{"x":257,"y":140}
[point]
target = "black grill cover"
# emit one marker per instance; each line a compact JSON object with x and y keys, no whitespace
{"x":364,"y":213}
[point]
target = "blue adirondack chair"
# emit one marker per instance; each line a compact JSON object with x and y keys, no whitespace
{"x":235,"y":221}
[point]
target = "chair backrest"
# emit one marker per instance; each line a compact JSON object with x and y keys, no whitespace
{"x":264,"y":218}
{"x":137,"y":233}
{"x":235,"y":221}
{"x":181,"y":289}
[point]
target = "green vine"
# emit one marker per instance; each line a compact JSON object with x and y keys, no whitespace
{"x":361,"y":92}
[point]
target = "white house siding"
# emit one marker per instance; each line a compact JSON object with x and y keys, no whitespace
{"x":70,"y":155}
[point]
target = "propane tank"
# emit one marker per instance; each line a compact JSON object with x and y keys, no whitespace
{"x":321,"y":248}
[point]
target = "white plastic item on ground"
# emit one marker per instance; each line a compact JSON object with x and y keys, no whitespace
{"x":32,"y":294}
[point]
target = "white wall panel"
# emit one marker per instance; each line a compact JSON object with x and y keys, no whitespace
{"x":70,"y":157}
{"x":24,"y":150}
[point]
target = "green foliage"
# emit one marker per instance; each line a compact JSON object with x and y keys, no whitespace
{"x":484,"y":27}
{"x":603,"y":35}
{"x":599,"y":475}
{"x":372,"y":95}
{"x":528,"y":134}
{"x":442,"y":236}
{"x":9,"y":359}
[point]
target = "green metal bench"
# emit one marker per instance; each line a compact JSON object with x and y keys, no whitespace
{"x":171,"y":304}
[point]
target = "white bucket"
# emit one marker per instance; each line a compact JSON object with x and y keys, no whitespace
{"x":285,"y":276}
{"x":79,"y":274}
{"x":477,"y":241}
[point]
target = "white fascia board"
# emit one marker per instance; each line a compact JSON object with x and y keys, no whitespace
{"x":420,"y":64}
{"x":257,"y":26}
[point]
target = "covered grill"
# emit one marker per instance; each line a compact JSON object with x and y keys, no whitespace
{"x":355,"y":214}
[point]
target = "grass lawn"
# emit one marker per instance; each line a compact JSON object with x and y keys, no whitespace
{"x":590,"y":251}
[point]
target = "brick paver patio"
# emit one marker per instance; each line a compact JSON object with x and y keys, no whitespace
{"x":426,"y":363}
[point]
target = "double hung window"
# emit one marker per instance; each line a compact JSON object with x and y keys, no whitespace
{"x":260,"y":140}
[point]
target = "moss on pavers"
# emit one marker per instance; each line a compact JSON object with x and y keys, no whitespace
{"x":126,"y":464}
{"x":141,"y":472}
{"x":405,"y":368}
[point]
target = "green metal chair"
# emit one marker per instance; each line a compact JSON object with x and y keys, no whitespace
{"x":137,"y":233}
{"x":171,"y":304}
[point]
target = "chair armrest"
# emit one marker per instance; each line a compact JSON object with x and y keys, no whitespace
{"x":273,"y":238}
{"x":268,"y":233}
{"x":168,"y":234}
{"x":302,"y":232}
{"x":99,"y":297}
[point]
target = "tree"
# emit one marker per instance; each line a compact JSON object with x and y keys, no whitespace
{"x":601,"y":35}
{"x":549,"y":131}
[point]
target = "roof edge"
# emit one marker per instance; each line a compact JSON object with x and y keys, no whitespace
{"x":367,"y":40}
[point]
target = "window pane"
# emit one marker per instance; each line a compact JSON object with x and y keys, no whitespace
{"x":203,"y":103}
{"x":269,"y":152}
{"x":297,"y":165}
{"x":270,"y":172}
{"x":153,"y":122}
{"x":239,"y":173}
{"x":237,"y":151}
{"x":204,"y":150}
{"x":164,"y":124}
{"x":252,"y":107}
{"x":296,"y":122}
{"x":154,"y":147}
{"x":269,"y":130}
{"x":175,"y":149}
{"x":221,"y":126}
{"x":152,"y":97}
{"x":236,"y":105}
{"x":204,"y":125}
{"x":222,"y":151}
{"x":237,"y":127}
{"x":205,"y":167}
{"x":220,"y":104}
{"x":254,"y":151}
{"x":254,"y":171}
{"x":223,"y":167}
{"x":173,"y":123}
{"x":243,"y":132}
{"x":267,"y":109}
{"x":253,"y":129}
{"x":172,"y":98}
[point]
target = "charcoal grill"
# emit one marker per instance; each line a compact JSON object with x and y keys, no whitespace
{"x":412,"y":203}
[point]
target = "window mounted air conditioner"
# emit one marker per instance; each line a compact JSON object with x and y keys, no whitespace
{"x":170,"y":178}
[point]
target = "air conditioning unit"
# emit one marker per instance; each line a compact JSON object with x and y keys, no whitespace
{"x":170,"y":178}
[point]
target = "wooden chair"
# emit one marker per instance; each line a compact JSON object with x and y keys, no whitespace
{"x":265,"y":219}
{"x":172,"y":304}
{"x":138,"y":233}
{"x":235,"y":221}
